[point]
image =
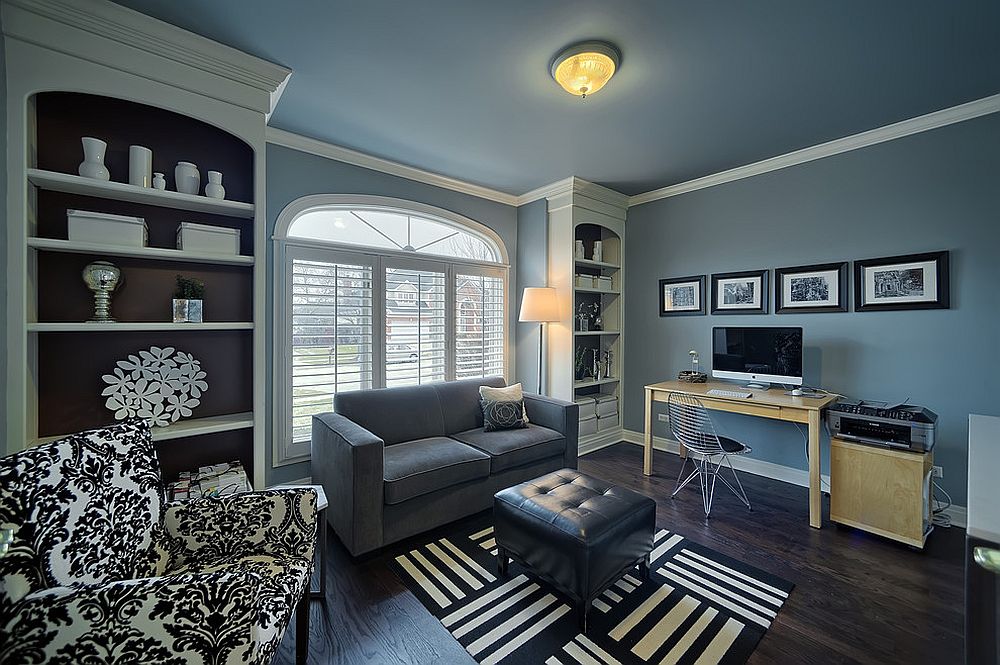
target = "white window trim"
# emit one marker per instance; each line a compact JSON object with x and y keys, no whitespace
{"x":284,"y":450}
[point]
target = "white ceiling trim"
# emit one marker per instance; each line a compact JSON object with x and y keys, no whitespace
{"x":923,"y":123}
{"x":348,"y":156}
{"x":133,"y":29}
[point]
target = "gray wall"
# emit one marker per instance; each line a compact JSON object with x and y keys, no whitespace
{"x":292,"y":174}
{"x":3,"y":235}
{"x":932,"y":191}
{"x":532,"y":270}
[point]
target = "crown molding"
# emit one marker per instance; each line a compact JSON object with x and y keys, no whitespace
{"x":923,"y":123}
{"x":575,"y":185}
{"x":32,"y":21}
{"x":339,"y":153}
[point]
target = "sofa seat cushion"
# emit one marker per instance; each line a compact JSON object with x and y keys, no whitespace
{"x":422,"y":466}
{"x":515,"y":447}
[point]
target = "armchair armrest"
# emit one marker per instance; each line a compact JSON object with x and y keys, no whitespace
{"x":198,"y":617}
{"x":563,"y":417}
{"x":347,"y":461}
{"x":281,"y":523}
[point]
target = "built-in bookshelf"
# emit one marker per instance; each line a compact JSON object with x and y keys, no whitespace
{"x":67,"y":353}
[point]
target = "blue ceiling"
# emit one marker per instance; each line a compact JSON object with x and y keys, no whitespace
{"x":462,"y":87}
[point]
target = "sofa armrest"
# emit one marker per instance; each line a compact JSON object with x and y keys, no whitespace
{"x":280,"y":523}
{"x":347,"y":461}
{"x":563,"y":417}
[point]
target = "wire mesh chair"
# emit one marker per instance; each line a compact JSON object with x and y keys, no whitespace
{"x":693,"y":428}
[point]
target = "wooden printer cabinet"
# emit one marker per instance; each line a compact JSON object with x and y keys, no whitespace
{"x":884,"y":491}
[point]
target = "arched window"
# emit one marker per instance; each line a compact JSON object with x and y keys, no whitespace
{"x":379,"y":292}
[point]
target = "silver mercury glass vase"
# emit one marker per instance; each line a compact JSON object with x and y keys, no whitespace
{"x":102,"y":278}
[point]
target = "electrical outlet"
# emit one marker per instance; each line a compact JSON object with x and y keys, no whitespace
{"x":937,"y":472}
{"x":663,"y":418}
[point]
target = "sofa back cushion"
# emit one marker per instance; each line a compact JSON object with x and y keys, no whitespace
{"x":86,"y":508}
{"x":394,"y":414}
{"x":461,"y":401}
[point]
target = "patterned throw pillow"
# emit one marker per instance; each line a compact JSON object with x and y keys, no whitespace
{"x":503,"y":408}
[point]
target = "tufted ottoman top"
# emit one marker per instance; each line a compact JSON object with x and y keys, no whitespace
{"x":579,"y":505}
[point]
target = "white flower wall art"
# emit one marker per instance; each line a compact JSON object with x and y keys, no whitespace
{"x":161,"y":385}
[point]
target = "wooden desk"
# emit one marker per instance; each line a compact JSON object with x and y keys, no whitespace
{"x":774,"y":404}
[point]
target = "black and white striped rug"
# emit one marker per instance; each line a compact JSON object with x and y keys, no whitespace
{"x":699,"y":607}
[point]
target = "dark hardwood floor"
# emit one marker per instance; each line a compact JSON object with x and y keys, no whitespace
{"x":858,"y":598}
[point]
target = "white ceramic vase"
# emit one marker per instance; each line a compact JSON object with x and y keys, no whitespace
{"x":92,"y":165}
{"x":159,"y":182}
{"x":579,"y":249}
{"x":214,"y":188}
{"x":140,"y":166}
{"x":598,"y":250}
{"x":187,"y":178}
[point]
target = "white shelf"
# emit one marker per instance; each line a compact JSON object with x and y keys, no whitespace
{"x":596,"y":333}
{"x":105,"y":189}
{"x":73,"y":326}
{"x":154,"y":253}
{"x":592,"y":382}
{"x":585,"y":289}
{"x":587,"y":263}
{"x":182,"y":428}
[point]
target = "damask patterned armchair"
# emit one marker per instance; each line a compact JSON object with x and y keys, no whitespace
{"x":102,"y":571}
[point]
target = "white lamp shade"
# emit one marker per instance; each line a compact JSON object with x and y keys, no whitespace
{"x":539,"y":304}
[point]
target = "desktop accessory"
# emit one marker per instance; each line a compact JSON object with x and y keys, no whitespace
{"x":795,"y":392}
{"x":900,"y":426}
{"x":736,"y":394}
{"x":694,"y":375}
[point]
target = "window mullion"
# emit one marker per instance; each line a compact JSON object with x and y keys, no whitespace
{"x":378,"y":327}
{"x":451,"y":327}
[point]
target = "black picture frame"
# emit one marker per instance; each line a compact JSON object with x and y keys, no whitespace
{"x":699,"y":280}
{"x":942,"y":282}
{"x":765,"y":295}
{"x":780,"y":274}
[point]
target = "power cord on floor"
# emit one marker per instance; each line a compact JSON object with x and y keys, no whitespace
{"x":940,"y":517}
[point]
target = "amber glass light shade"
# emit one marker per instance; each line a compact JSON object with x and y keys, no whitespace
{"x":585,"y":68}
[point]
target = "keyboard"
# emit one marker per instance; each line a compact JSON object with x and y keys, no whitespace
{"x":736,"y":394}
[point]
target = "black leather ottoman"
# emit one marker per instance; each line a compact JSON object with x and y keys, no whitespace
{"x":578,"y":533}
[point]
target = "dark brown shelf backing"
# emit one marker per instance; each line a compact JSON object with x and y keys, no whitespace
{"x":64,"y":117}
{"x":146,"y":292}
{"x":188,"y":453}
{"x":70,"y":368}
{"x":162,"y":223}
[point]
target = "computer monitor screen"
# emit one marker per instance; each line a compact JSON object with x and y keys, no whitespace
{"x":767,"y":355}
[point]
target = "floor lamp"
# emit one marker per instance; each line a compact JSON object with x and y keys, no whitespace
{"x":539,"y":305}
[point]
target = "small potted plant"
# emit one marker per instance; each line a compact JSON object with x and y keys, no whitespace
{"x":188,"y":300}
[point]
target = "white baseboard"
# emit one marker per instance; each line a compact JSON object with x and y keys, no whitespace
{"x":589,"y":444}
{"x":770,"y":470}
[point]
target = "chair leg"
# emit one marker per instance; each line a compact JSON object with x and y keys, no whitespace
{"x":501,"y":561}
{"x":644,"y":568}
{"x":302,"y":630}
{"x":741,"y":494}
{"x":678,"y":485}
{"x":584,"y":611}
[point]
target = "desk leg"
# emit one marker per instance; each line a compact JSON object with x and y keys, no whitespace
{"x":815,"y":483}
{"x":647,"y":437}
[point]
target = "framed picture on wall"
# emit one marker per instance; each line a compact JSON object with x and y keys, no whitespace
{"x":682,"y":296}
{"x":913,"y":281}
{"x":811,"y":289}
{"x":740,"y":292}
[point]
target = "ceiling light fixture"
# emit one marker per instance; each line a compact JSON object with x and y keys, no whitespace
{"x":585,"y":68}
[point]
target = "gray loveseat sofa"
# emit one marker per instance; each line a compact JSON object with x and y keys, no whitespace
{"x":395,"y":462}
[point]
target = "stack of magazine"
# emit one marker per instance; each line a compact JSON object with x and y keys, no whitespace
{"x":210,"y":481}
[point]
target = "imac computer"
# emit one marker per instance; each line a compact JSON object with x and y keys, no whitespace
{"x":758,"y":355}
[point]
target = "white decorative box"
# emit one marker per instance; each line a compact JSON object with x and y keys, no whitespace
{"x":588,"y":426}
{"x":207,"y":239}
{"x":585,"y":281}
{"x":605,"y":423}
{"x":607,"y":405}
{"x":604,"y":283}
{"x":588,"y":407}
{"x":101,"y":228}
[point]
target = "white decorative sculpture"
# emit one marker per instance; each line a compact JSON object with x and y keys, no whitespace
{"x":157,"y":385}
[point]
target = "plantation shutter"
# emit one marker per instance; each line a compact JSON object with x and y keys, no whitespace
{"x":415,"y":324}
{"x":479,"y":326}
{"x":332,"y":316}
